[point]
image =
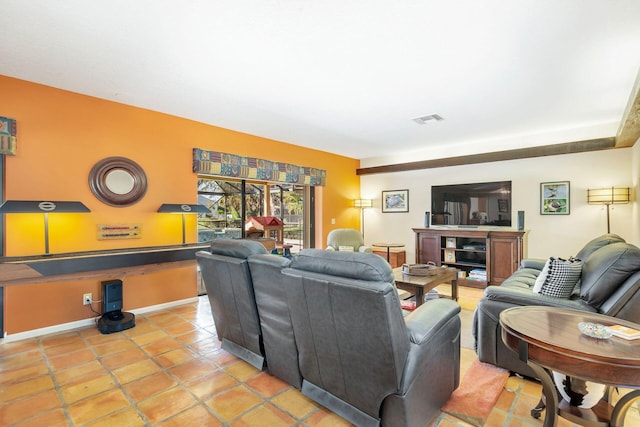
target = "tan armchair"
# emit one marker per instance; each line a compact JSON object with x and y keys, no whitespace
{"x":344,"y":238}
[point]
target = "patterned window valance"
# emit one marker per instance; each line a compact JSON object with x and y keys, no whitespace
{"x":231,"y":165}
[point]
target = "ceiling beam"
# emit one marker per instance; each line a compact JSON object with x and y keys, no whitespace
{"x":497,"y":156}
{"x":628,"y":135}
{"x":629,"y":131}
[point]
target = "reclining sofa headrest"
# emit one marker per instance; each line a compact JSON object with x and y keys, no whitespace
{"x":606,"y":270}
{"x":237,"y":248}
{"x":597,"y":243}
{"x":352,"y":265}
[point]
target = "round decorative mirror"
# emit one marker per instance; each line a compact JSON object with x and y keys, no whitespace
{"x":118,"y":181}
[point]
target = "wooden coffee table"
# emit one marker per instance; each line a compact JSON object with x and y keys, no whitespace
{"x":548,"y":337}
{"x":420,"y":285}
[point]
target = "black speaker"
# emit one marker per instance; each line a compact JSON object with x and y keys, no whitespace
{"x":111,"y":296}
{"x":427,"y":219}
{"x":520,"y":220}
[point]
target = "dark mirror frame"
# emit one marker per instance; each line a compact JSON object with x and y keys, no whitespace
{"x":99,"y":187}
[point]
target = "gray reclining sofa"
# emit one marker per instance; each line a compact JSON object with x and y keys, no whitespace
{"x":609,"y":284}
{"x":358,"y":355}
{"x":330,"y":324}
{"x":226,"y":276}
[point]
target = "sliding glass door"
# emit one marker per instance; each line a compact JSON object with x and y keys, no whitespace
{"x":288,"y":204}
{"x":232,"y":203}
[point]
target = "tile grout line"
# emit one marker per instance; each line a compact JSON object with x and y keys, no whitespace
{"x":120,"y":386}
{"x":54,"y":380}
{"x":263,"y":399}
{"x":176,"y":379}
{"x":242,"y":383}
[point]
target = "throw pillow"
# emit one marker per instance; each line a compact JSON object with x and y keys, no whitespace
{"x":562,"y":277}
{"x":345,"y":248}
{"x":541,"y":277}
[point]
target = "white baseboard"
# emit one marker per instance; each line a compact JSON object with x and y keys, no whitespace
{"x":87,"y":322}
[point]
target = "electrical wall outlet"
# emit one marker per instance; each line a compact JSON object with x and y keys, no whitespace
{"x":87,"y":299}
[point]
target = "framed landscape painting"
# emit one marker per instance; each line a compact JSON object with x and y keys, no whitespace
{"x":395,"y":201}
{"x":554,"y":198}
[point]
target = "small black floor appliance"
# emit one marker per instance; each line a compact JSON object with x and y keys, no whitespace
{"x":113,"y":319}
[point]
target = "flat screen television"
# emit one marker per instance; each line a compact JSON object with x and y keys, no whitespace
{"x":482,"y":203}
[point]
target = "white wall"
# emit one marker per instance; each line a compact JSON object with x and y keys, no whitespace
{"x":548,"y":235}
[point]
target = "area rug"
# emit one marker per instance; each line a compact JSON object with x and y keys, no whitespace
{"x":468,"y":297}
{"x":477,"y":394}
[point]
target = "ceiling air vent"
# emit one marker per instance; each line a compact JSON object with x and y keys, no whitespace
{"x":431,"y":118}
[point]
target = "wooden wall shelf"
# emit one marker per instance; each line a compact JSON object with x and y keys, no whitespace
{"x":95,"y":264}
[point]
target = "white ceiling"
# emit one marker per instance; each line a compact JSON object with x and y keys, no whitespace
{"x":344,"y":76}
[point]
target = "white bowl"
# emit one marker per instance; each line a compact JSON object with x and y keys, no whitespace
{"x":595,"y":330}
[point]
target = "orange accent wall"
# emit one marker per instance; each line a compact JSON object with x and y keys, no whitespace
{"x":62,"y":134}
{"x":34,"y":306}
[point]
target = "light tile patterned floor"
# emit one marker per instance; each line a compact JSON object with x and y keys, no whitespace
{"x":169,"y":370}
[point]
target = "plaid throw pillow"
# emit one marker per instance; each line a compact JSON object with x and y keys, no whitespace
{"x":562,"y":277}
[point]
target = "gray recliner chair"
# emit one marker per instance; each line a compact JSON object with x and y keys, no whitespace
{"x":271,"y":299}
{"x":609,"y":284}
{"x":358,"y":355}
{"x":226,"y":275}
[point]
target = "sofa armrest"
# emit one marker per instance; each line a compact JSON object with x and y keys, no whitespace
{"x":486,"y":327}
{"x":434,"y":330}
{"x":536,"y":263}
{"x":524,"y":297}
{"x":427,"y":319}
{"x":365,"y":249}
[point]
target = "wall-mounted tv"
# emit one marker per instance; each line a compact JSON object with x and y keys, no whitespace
{"x":482,"y":203}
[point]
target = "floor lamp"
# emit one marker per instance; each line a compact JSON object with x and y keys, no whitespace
{"x":182,"y":209}
{"x":608,"y":196}
{"x":29,"y":206}
{"x":362,"y":204}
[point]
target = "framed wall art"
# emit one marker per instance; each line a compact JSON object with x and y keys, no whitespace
{"x":395,"y":201}
{"x":7,"y":136}
{"x":554,"y":198}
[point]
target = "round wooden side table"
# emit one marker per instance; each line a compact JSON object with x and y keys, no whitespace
{"x":548,"y":337}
